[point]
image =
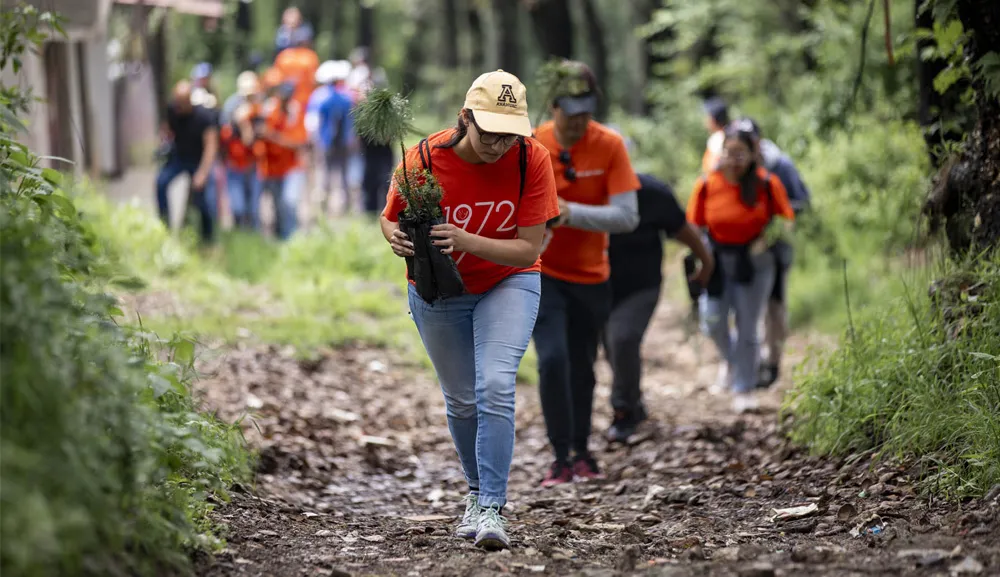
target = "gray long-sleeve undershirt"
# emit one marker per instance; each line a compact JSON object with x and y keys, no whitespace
{"x":621,"y":216}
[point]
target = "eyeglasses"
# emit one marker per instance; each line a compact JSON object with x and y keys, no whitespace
{"x":492,"y":138}
{"x":569,"y":173}
{"x":735,"y":156}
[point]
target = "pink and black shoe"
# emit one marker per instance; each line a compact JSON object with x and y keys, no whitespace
{"x":559,"y":473}
{"x":585,"y":467}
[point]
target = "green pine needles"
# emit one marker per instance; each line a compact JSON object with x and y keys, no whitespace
{"x":384,"y":117}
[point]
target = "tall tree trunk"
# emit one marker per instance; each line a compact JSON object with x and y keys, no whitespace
{"x":449,"y":47}
{"x":416,"y":50}
{"x":553,"y":26}
{"x":366,"y":32}
{"x":655,"y":48}
{"x":341,"y":29}
{"x":967,"y":195}
{"x":509,"y":14}
{"x":478,"y":56}
{"x":244,"y":33}
{"x":598,"y":46}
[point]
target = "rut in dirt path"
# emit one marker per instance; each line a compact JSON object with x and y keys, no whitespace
{"x":358,"y":476}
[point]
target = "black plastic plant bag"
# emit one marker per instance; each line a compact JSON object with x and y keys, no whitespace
{"x":434,"y":275}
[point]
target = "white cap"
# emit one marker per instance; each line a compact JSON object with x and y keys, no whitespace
{"x":332,"y":71}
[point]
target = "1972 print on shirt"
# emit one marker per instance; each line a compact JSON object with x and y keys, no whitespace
{"x":463,"y":215}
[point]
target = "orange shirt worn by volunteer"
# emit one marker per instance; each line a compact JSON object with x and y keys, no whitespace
{"x":238,"y":155}
{"x":483,"y":199}
{"x":275,"y":160}
{"x":298,"y":65}
{"x":716,"y":205}
{"x":602,"y":171}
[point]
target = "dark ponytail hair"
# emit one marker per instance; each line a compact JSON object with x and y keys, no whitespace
{"x":460,"y":130}
{"x":749,"y":181}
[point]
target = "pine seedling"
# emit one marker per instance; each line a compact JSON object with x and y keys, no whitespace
{"x":422,"y":193}
{"x":384,"y":117}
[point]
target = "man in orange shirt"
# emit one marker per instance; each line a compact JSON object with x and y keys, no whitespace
{"x":281,"y":139}
{"x":597,"y":195}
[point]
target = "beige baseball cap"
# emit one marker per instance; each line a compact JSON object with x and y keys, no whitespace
{"x":499,"y":102}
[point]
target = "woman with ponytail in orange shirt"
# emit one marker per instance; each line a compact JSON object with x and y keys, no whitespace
{"x":734,"y":204}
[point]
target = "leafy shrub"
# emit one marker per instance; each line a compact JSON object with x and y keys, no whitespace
{"x":106,"y":467}
{"x":918,"y":379}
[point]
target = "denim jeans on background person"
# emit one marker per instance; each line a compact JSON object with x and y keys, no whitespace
{"x":244,"y":197}
{"x":570,"y":320}
{"x":204,"y":199}
{"x":476,"y":343}
{"x":286,"y":192}
{"x":630,"y":316}
{"x":747,"y":302}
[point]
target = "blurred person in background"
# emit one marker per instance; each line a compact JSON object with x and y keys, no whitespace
{"x":203,"y":91}
{"x":193,"y":135}
{"x":329,"y":122}
{"x":636,"y":260}
{"x":281,"y":140}
{"x":291,"y":28}
{"x":247,"y":90}
{"x":597,"y":195}
{"x":716,"y":120}
{"x":776,"y":329}
{"x":735,"y":204}
{"x":237,"y":137}
{"x":378,"y":161}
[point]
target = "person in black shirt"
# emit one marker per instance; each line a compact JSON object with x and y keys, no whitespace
{"x":194,"y":143}
{"x":636,"y":276}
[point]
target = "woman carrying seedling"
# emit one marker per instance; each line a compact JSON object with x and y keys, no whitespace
{"x":597,"y":195}
{"x":735,"y":204}
{"x":492,"y":188}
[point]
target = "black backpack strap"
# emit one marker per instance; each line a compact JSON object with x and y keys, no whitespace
{"x":425,"y":158}
{"x":522,"y":163}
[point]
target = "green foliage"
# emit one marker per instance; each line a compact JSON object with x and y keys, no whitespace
{"x":918,"y":379}
{"x":106,"y":467}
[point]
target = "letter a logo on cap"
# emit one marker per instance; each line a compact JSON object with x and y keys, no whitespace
{"x":506,"y":95}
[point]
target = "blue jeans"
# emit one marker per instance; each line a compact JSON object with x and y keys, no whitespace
{"x":286,"y":192}
{"x":204,"y":199}
{"x":746,"y":302}
{"x":476,"y":343}
{"x":244,"y":197}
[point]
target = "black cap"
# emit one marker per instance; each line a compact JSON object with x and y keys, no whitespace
{"x":573,"y":105}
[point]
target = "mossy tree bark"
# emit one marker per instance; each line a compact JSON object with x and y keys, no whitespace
{"x":967,"y":196}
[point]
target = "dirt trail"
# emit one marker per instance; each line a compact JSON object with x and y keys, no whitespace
{"x":358,"y":476}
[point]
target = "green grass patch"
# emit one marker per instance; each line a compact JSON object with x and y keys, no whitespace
{"x":918,"y":379}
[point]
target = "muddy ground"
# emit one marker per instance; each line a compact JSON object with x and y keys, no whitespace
{"x":358,"y":476}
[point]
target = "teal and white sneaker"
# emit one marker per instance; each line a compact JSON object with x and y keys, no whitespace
{"x":492,"y":533}
{"x":470,"y":520}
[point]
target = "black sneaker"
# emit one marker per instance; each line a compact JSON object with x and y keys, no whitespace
{"x":621,"y":428}
{"x":769,"y":374}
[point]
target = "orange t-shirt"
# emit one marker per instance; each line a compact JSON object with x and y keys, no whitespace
{"x":716,"y":205}
{"x":275,"y":160}
{"x":483,"y":199}
{"x":602,"y":171}
{"x":238,"y":155}
{"x":298,"y":66}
